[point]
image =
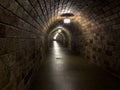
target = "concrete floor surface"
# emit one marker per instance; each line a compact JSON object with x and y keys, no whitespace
{"x":65,"y":71}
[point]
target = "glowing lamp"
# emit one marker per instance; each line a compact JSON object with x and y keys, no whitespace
{"x":59,"y":31}
{"x":67,"y":20}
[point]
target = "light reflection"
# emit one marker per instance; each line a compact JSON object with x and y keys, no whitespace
{"x":55,"y":45}
{"x":56,"y":35}
{"x":57,"y":50}
{"x":57,"y":61}
{"x":59,"y":68}
{"x":58,"y":58}
{"x":57,"y":53}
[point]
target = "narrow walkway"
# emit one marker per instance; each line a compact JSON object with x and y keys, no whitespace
{"x":64,"y":71}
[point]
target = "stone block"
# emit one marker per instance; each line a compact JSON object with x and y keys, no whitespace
{"x":4,"y":74}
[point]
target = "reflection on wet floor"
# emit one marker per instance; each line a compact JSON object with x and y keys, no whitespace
{"x":64,"y":71}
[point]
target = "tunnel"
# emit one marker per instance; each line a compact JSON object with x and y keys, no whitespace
{"x":59,"y":45}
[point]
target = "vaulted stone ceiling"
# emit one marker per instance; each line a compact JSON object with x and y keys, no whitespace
{"x":25,"y":26}
{"x":46,"y":12}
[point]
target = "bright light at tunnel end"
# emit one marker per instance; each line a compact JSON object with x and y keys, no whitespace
{"x":67,"y":20}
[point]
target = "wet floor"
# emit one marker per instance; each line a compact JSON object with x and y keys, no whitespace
{"x":65,"y":71}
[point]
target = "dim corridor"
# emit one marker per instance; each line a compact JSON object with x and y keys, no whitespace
{"x":66,"y":71}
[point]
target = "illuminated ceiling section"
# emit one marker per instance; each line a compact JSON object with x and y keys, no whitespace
{"x":53,"y":10}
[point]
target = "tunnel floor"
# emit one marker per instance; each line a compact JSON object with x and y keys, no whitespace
{"x":66,"y":71}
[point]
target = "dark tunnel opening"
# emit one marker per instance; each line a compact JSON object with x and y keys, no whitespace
{"x":89,"y":29}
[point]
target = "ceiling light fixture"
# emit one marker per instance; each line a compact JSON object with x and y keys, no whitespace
{"x":67,"y":16}
{"x":67,"y":20}
{"x":59,"y":31}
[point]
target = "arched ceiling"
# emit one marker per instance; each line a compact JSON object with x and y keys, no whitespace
{"x":44,"y":13}
{"x":49,"y":11}
{"x":64,"y":32}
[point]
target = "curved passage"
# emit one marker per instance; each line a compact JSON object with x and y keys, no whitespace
{"x":65,"y":71}
{"x":91,"y":28}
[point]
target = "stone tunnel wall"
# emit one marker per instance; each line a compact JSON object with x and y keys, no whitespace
{"x":20,"y":44}
{"x":101,"y":31}
{"x":77,"y":39}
